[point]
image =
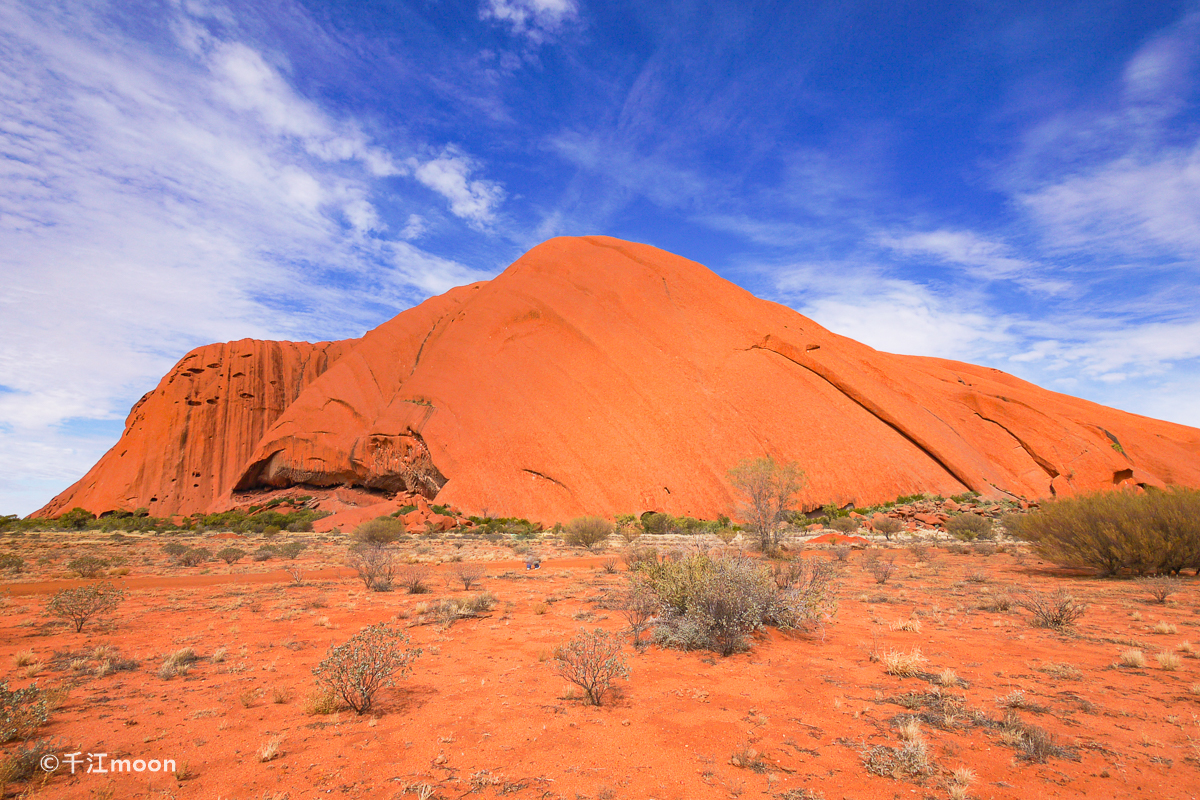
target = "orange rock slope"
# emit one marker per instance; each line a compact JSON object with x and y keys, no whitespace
{"x":599,"y":376}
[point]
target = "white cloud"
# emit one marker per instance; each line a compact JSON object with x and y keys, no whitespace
{"x":893,"y":315}
{"x":532,"y":18}
{"x":449,"y":174}
{"x":983,"y":258}
{"x":154,"y":200}
{"x":1134,"y":204}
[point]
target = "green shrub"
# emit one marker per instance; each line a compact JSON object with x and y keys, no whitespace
{"x":969,"y":527}
{"x":655,"y":523}
{"x":264,"y":553}
{"x":292,"y":549}
{"x":87,"y":566}
{"x":381,"y":530}
{"x":22,"y":711}
{"x":174,"y":549}
{"x":589,"y":532}
{"x":231,"y":555}
{"x":845,"y":525}
{"x":80,"y":604}
{"x":1157,"y":532}
{"x":888,"y":526}
{"x":11,"y":562}
{"x":718,"y":603}
{"x":195,"y":556}
{"x":77,"y":518}
{"x":372,"y":659}
{"x":592,"y":661}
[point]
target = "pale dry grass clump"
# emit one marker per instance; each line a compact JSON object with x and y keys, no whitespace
{"x":912,"y":625}
{"x":1061,"y":670}
{"x":269,"y":750}
{"x":1164,"y":627}
{"x":178,"y":663}
{"x":23,"y":658}
{"x":1133,"y":658}
{"x":904,"y":665}
{"x":1168,"y":661}
{"x":947,"y":677}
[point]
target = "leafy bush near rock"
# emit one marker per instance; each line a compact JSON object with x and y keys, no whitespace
{"x":969,"y":527}
{"x":589,"y":532}
{"x":718,"y":603}
{"x":1156,"y":532}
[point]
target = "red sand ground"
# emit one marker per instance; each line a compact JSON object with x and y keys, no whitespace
{"x":483,"y":714}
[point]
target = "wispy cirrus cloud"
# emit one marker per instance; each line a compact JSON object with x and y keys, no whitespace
{"x":156,"y":198}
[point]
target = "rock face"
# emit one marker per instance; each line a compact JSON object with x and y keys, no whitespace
{"x":600,"y":376}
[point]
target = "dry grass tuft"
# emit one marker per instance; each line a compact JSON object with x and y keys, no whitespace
{"x":1168,"y":661}
{"x":904,"y":665}
{"x":1133,"y":658}
{"x":1164,"y":627}
{"x":269,"y":750}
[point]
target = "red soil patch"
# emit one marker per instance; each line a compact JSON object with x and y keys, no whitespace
{"x":483,"y":714}
{"x":838,"y":538}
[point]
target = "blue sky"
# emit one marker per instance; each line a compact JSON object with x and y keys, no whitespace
{"x":1016,"y":185}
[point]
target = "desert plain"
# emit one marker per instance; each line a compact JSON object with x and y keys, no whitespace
{"x":211,"y":668}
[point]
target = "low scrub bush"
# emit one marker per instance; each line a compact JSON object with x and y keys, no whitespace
{"x":969,"y":527}
{"x":1058,"y":609}
{"x":1156,"y":532}
{"x":231,"y":555}
{"x":375,"y":565}
{"x":81,"y":604}
{"x":845,"y":525}
{"x":592,"y":661}
{"x":195,"y":556}
{"x":88,"y":566}
{"x":22,"y":711}
{"x":589,"y":532}
{"x":718,"y":603}
{"x":372,"y":659}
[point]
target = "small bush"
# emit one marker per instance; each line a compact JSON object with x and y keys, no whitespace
{"x":195,"y":556}
{"x":1160,"y":587}
{"x":379,"y":531}
{"x":846,"y":525}
{"x":639,"y":605}
{"x":11,"y":562}
{"x":468,"y":574}
{"x":718,"y":603}
{"x":414,"y":578}
{"x":22,"y":711}
{"x":375,"y":565}
{"x":881,"y":569}
{"x":292,"y":549}
{"x":80,"y":604}
{"x":591,"y":661}
{"x":1058,"y":609}
{"x":969,"y":527}
{"x":888,"y":526}
{"x":24,"y":762}
{"x":87,"y":566}
{"x":231,"y":555}
{"x":589,"y":532}
{"x":174,"y":549}
{"x":264,"y":553}
{"x":373,"y":658}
